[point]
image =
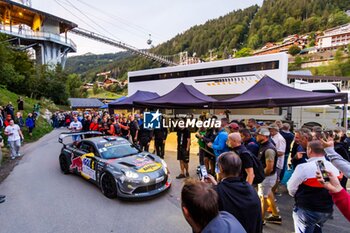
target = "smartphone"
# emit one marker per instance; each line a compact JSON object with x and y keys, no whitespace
{"x":322,"y":169}
{"x":202,"y":172}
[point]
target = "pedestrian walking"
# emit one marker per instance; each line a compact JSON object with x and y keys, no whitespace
{"x":268,"y":157}
{"x":15,"y":136}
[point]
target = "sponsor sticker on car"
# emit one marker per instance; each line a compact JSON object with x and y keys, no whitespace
{"x":150,"y":167}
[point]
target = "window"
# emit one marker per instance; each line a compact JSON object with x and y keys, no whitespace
{"x":271,"y":65}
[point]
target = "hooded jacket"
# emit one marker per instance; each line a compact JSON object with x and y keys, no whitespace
{"x":241,"y":200}
{"x":224,"y":223}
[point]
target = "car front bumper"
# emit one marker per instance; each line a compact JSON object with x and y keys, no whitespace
{"x":145,"y":191}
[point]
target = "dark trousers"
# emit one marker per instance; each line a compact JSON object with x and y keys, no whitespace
{"x":144,"y":146}
{"x":201,"y":156}
{"x":160,"y":148}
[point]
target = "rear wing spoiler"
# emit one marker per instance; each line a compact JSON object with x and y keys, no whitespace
{"x":69,"y":134}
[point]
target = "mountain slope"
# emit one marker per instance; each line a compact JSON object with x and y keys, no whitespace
{"x":251,"y":27}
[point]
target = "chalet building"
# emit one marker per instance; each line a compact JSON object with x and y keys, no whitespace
{"x":288,"y":42}
{"x":88,"y":86}
{"x":109,"y":81}
{"x":334,"y":38}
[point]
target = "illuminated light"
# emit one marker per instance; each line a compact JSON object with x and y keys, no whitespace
{"x":20,"y":14}
{"x":146,"y":179}
{"x":208,"y":84}
{"x":213,"y":84}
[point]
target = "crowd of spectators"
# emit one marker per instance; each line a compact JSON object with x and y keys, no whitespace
{"x":247,"y":163}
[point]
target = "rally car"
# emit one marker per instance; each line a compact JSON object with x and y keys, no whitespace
{"x":115,"y":165}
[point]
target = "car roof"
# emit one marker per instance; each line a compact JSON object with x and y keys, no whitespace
{"x":105,"y":139}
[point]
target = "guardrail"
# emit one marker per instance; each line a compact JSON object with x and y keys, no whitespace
{"x":29,"y":34}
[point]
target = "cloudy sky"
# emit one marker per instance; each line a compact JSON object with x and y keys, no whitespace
{"x":132,"y":21}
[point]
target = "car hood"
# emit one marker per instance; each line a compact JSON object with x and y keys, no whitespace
{"x":142,"y":163}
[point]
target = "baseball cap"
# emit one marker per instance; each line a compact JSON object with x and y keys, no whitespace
{"x":273,"y":126}
{"x":264,"y":132}
{"x":233,"y":125}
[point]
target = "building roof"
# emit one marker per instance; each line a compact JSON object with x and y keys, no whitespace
{"x":85,"y":103}
{"x":325,"y":78}
{"x":26,"y":15}
{"x":269,"y":93}
{"x":300,"y":72}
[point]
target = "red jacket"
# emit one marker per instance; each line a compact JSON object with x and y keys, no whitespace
{"x":93,"y":126}
{"x":342,"y":201}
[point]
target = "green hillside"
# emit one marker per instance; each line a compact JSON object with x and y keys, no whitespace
{"x":251,"y":27}
{"x":42,"y":126}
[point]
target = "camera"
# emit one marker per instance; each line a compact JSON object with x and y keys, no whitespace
{"x":202,"y":172}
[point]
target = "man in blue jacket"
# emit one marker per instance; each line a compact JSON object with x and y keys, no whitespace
{"x":200,"y":208}
{"x":219,"y":145}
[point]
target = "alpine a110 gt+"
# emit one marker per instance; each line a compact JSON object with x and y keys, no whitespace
{"x":115,"y":165}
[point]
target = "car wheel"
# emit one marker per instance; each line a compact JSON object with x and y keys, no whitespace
{"x":64,"y":165}
{"x":108,"y":185}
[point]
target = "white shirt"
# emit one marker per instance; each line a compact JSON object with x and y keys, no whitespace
{"x":280,"y":142}
{"x":307,"y":171}
{"x":14,"y":131}
{"x":77,"y":125}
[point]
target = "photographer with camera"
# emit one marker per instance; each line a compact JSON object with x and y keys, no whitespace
{"x":236,"y":196}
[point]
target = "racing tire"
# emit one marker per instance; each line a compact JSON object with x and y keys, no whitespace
{"x":64,"y":164}
{"x":108,"y":185}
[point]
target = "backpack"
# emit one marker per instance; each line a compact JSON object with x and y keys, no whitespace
{"x":259,"y":174}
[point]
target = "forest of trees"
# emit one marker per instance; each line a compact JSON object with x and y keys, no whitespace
{"x":19,"y":74}
{"x":240,"y":30}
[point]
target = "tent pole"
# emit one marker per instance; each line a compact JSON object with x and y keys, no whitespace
{"x":345,"y":117}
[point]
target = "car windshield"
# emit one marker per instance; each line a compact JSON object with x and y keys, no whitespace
{"x":116,"y":150}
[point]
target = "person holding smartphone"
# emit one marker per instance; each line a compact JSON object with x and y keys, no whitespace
{"x":313,"y":203}
{"x":340,"y":196}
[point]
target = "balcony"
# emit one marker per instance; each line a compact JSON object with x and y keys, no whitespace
{"x":34,"y":35}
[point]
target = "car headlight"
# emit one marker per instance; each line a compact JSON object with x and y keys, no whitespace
{"x":131,"y":175}
{"x":164,"y":166}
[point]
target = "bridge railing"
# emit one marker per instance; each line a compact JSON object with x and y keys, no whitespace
{"x":122,"y":45}
{"x":30,"y":34}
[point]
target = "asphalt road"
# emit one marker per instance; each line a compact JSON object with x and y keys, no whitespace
{"x":40,"y":199}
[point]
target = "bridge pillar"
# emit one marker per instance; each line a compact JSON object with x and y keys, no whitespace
{"x":51,"y":53}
